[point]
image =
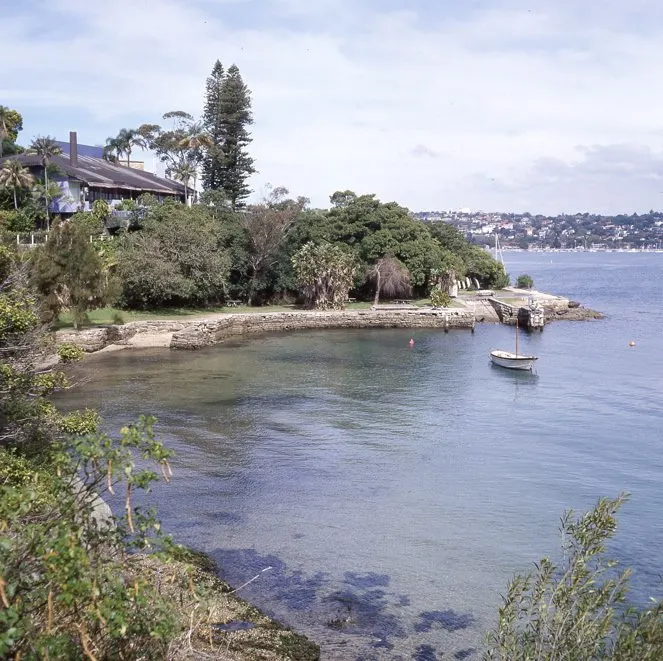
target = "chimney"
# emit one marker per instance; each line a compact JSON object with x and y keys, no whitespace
{"x":73,"y":149}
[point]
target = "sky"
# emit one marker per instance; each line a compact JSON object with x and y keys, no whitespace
{"x":547,"y":106}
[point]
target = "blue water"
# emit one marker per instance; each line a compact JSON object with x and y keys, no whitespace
{"x":392,"y":490}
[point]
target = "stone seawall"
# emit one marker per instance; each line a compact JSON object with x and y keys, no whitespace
{"x":194,"y":334}
{"x":205,"y":333}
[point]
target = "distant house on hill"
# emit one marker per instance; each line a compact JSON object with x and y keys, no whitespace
{"x":85,"y":176}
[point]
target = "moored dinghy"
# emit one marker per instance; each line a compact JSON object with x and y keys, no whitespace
{"x":513,"y":361}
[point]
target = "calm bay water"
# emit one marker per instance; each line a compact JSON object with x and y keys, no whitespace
{"x":394,"y":491}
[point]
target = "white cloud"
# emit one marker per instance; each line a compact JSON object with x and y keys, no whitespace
{"x":496,"y":95}
{"x":600,"y":178}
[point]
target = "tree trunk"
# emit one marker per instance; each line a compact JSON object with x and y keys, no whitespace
{"x":48,"y":218}
{"x":252,"y":288}
{"x":377,"y":289}
{"x":129,"y":157}
{"x":15,"y":201}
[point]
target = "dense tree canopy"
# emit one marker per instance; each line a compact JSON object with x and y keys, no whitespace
{"x":209,"y":253}
{"x":374,"y":230}
{"x":178,"y":258}
{"x":11,"y":122}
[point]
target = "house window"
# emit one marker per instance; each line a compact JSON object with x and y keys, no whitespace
{"x":103,"y":194}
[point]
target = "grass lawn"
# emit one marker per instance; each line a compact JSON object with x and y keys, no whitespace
{"x":105,"y":316}
{"x":425,"y":302}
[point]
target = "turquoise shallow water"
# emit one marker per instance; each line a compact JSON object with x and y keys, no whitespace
{"x":394,"y":491}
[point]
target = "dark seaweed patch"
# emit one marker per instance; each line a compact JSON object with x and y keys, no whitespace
{"x":300,"y":592}
{"x":403,"y":600}
{"x":296,"y":591}
{"x":425,"y":653}
{"x":224,"y":517}
{"x":449,"y":620}
{"x":365,"y":612}
{"x":464,"y":654}
{"x":366,"y":581}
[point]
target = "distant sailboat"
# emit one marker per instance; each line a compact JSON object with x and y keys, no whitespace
{"x":498,"y":252}
{"x":513,"y":361}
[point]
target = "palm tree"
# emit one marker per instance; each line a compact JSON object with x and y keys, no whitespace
{"x":113,"y":150}
{"x":184,"y":172}
{"x":127,"y":139}
{"x":14,"y":175}
{"x":196,"y":137}
{"x":4,"y":126}
{"x":45,"y":195}
{"x":195,"y":141}
{"x":46,"y":148}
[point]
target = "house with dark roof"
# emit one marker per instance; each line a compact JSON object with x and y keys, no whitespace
{"x":85,"y":176}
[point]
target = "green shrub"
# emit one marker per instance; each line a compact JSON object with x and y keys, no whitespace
{"x":101,"y":211}
{"x":488,"y":271}
{"x":67,"y":591}
{"x":126,"y":205}
{"x":16,"y":221}
{"x":118,"y":319}
{"x":524,"y":282}
{"x":70,"y":353}
{"x":439,"y":298}
{"x":577,"y":610}
{"x":68,"y":272}
{"x":176,"y":259}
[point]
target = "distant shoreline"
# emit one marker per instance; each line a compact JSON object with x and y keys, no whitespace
{"x":581,"y":250}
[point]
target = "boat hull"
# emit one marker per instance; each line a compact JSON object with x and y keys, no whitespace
{"x":512,"y":361}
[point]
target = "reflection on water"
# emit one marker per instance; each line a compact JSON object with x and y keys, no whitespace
{"x":392,"y":490}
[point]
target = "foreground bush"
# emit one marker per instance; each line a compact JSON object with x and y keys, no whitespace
{"x":577,"y":611}
{"x":71,"y":583}
{"x":66,"y":587}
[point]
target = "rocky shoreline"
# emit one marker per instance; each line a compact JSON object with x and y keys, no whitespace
{"x":195,"y":334}
{"x":217,"y":328}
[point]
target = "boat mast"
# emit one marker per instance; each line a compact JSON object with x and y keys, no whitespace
{"x":516,"y":334}
{"x":498,"y":252}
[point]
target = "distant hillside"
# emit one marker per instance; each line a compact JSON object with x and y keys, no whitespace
{"x":581,"y":230}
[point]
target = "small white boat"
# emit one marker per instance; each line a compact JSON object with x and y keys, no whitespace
{"x":512,"y":361}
